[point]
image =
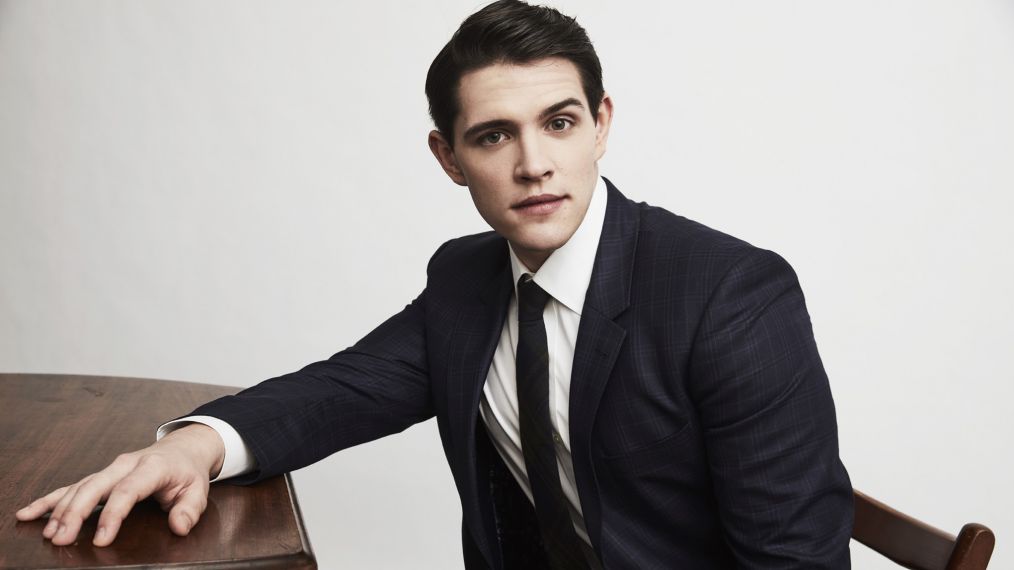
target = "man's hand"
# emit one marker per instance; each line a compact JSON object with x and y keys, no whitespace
{"x":175,"y":471}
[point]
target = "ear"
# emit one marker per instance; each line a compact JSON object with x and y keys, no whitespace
{"x":602,"y":122}
{"x":445,"y":156}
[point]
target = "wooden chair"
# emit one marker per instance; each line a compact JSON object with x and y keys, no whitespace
{"x":917,"y":545}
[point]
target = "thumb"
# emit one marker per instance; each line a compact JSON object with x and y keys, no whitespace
{"x":187,"y":510}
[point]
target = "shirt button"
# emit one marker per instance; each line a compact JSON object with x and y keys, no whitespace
{"x":556,"y":437}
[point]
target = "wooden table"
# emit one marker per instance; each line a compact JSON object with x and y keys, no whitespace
{"x":55,"y":429}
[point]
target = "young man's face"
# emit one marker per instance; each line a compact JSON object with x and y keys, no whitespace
{"x":527,"y":146}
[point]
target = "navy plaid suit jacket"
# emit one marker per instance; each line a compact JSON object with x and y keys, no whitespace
{"x":702,"y":427}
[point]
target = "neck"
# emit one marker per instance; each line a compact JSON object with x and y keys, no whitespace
{"x":531,"y":260}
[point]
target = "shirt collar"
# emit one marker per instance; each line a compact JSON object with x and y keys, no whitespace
{"x":567,"y":271}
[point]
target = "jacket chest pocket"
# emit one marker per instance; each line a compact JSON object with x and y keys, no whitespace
{"x":647,"y":455}
{"x":637,"y":417}
{"x":658,"y":467}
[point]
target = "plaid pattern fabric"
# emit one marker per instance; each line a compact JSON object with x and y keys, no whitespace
{"x":703,"y":430}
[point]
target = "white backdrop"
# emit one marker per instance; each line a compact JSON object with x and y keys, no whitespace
{"x":198,"y":190}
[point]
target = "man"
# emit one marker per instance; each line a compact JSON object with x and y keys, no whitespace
{"x":615,"y":386}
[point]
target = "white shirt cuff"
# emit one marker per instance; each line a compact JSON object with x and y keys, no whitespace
{"x":238,"y":458}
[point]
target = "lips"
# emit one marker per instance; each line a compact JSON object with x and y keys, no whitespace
{"x":535,"y":200}
{"x":539,"y":206}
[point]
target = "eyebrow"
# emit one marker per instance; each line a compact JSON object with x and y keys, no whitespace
{"x":495,"y":123}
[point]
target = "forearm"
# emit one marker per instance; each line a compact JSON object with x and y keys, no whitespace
{"x":378,"y":387}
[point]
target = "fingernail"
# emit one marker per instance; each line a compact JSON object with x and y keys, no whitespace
{"x":187,"y":521}
{"x":50,"y":528}
{"x":63,"y":529}
{"x":101,"y":533}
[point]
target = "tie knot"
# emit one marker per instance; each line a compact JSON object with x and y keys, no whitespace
{"x":532,"y":299}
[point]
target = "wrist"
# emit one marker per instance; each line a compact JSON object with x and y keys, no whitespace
{"x":203,"y":443}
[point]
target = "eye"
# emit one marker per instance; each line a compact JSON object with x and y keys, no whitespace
{"x":560,"y":124}
{"x":491,"y":139}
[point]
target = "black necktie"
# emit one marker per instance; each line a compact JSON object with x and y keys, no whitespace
{"x":562,"y":543}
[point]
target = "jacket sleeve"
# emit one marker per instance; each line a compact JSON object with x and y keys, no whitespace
{"x":783,"y":495}
{"x":377,"y":387}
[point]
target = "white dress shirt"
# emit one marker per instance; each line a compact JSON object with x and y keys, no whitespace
{"x":565,"y":275}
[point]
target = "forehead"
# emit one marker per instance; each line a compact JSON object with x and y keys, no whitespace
{"x":516,"y":91}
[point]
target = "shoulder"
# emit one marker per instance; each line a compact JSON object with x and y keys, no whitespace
{"x":661,"y":229}
{"x":468,"y":260}
{"x":664,"y":226}
{"x":675,"y":247}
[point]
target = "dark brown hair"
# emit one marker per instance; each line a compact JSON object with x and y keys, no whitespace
{"x":508,"y":31}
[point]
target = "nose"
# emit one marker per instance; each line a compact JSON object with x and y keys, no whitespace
{"x":534,"y":165}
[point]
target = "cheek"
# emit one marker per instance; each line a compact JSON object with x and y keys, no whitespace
{"x":484,"y":196}
{"x":578,"y":151}
{"x":488,"y":175}
{"x":472,"y":166}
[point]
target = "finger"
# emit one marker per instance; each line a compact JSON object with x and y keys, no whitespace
{"x":89,"y":494}
{"x":138,"y":485}
{"x":66,"y":532}
{"x":65,"y":522}
{"x":165,"y":498}
{"x":56,"y":523}
{"x":40,"y":506}
{"x":188,"y":509}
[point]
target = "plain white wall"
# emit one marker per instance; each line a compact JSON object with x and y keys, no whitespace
{"x":198,"y":190}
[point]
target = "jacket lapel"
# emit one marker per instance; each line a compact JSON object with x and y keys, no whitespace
{"x":599,"y":340}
